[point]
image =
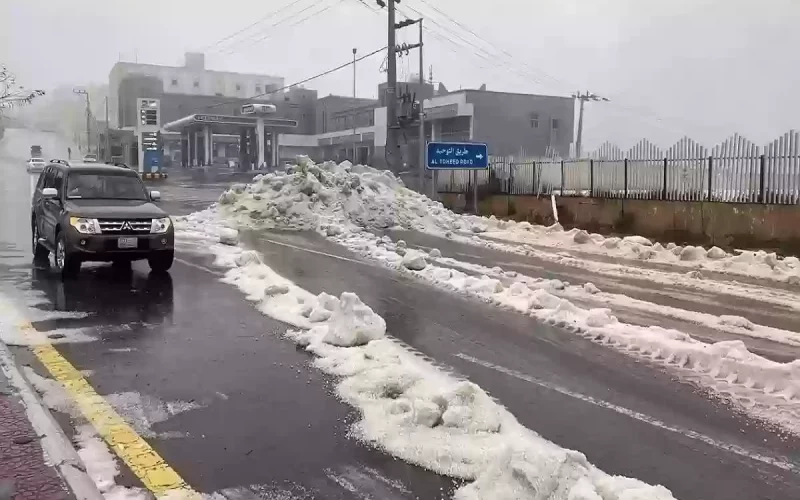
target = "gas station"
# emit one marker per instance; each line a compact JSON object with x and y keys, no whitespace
{"x":257,"y":132}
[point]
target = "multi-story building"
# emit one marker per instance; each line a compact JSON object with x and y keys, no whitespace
{"x":192,"y":79}
{"x":334,"y":127}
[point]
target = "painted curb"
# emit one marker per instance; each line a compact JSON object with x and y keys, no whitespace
{"x":56,"y":445}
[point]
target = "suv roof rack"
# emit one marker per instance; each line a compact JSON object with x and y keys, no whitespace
{"x":58,"y":160}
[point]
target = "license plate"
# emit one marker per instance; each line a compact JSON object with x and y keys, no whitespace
{"x":128,"y":242}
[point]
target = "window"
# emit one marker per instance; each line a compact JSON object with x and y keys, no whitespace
{"x":105,"y":186}
{"x":554,"y":124}
{"x":40,"y":184}
{"x":49,"y":178}
{"x":196,"y":84}
{"x":174,"y":82}
{"x":258,"y":89}
{"x":58,"y":182}
{"x":535,"y":120}
{"x":238,"y":87}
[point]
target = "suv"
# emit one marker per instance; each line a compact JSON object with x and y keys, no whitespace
{"x":97,"y":212}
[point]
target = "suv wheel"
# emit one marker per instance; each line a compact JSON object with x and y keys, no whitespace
{"x":40,"y":252}
{"x":160,"y":262}
{"x":67,"y":264}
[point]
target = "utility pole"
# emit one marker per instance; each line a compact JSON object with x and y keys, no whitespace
{"x":108,"y":136}
{"x":391,"y":91}
{"x":587,"y":96}
{"x":355,"y":114}
{"x":85,"y":93}
{"x":421,"y":116}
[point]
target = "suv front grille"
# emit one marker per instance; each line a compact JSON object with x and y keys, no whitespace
{"x":123,"y":226}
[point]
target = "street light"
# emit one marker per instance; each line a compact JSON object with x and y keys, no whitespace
{"x":85,"y":93}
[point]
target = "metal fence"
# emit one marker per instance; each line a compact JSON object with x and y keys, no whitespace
{"x":734,"y":171}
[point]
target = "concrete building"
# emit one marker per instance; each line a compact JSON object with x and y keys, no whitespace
{"x":209,"y":110}
{"x":511,"y":124}
{"x":191,"y":79}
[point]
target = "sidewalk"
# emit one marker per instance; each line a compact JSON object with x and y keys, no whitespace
{"x":24,"y":474}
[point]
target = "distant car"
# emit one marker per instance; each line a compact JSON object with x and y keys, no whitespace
{"x":96,"y":212}
{"x":35,"y":165}
{"x":90,"y":158}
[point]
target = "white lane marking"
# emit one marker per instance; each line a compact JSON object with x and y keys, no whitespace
{"x":782,"y":463}
{"x":318,"y":252}
{"x":198,"y":266}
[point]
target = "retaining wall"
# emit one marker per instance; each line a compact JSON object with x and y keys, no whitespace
{"x":728,"y":225}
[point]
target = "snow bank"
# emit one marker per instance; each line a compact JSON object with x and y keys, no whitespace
{"x":331,"y":198}
{"x":409,"y":407}
{"x":728,"y":361}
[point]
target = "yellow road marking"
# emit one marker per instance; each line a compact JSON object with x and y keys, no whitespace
{"x":154,"y":472}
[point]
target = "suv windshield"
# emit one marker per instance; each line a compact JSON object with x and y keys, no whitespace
{"x":97,"y":186}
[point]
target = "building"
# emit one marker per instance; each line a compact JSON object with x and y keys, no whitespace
{"x":511,"y":124}
{"x":191,"y":79}
{"x":201,"y":113}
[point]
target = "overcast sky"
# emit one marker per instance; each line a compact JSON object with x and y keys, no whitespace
{"x":703,"y":68}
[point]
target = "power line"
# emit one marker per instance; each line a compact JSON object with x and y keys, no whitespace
{"x":259,"y":21}
{"x":268,"y":32}
{"x":320,"y":75}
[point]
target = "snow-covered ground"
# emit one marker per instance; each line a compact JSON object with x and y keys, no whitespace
{"x":410,"y":408}
{"x":344,"y":202}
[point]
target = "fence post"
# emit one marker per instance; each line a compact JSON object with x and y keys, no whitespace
{"x":762,"y":189}
{"x":591,"y":177}
{"x":710,"y":168}
{"x":625,"y":164}
{"x":664,"y":190}
{"x":562,"y":178}
{"x":534,"y":189}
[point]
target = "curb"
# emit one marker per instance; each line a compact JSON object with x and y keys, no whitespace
{"x":154,"y":176}
{"x":56,"y":445}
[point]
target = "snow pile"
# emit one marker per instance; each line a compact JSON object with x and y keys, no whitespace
{"x":328,"y":196}
{"x":743,"y":262}
{"x":414,"y":410}
{"x":331,"y":198}
{"x":728,"y":361}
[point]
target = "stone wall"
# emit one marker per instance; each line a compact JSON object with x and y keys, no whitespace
{"x":728,"y":225}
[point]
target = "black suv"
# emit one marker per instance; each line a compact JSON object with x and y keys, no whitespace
{"x":95,"y":212}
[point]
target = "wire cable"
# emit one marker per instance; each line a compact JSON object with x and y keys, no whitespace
{"x":259,"y":21}
{"x":320,"y":75}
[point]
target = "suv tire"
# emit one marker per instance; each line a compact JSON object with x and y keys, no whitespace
{"x":40,"y":252}
{"x":161,"y":262}
{"x":66,"y":264}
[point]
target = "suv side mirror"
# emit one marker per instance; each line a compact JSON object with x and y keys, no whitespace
{"x":155,"y":196}
{"x":49,"y":193}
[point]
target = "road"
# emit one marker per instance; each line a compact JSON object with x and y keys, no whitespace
{"x":263,"y":419}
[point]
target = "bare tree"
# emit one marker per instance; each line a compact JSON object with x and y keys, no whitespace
{"x":12,"y":94}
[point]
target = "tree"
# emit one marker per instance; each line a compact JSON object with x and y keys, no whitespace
{"x":12,"y":94}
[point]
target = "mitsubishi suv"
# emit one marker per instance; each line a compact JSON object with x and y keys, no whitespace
{"x":95,"y":212}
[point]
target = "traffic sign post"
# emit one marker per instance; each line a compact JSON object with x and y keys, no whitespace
{"x":459,"y":156}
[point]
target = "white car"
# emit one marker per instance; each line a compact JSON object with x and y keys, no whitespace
{"x":90,"y":158}
{"x":35,"y":165}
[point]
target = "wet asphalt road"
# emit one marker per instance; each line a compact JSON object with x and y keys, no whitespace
{"x":267,"y":421}
{"x":265,"y":424}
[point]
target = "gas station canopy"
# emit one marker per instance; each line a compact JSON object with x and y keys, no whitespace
{"x":225,"y":124}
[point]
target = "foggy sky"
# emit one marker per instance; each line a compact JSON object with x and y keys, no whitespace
{"x":703,"y":68}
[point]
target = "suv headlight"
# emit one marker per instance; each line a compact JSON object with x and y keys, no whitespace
{"x":160,"y":226}
{"x":84,"y":225}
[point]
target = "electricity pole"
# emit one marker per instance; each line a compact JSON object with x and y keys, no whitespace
{"x":85,"y":93}
{"x":391,"y":87}
{"x":421,"y":116}
{"x":108,"y":136}
{"x":355,"y":114}
{"x":587,"y":96}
